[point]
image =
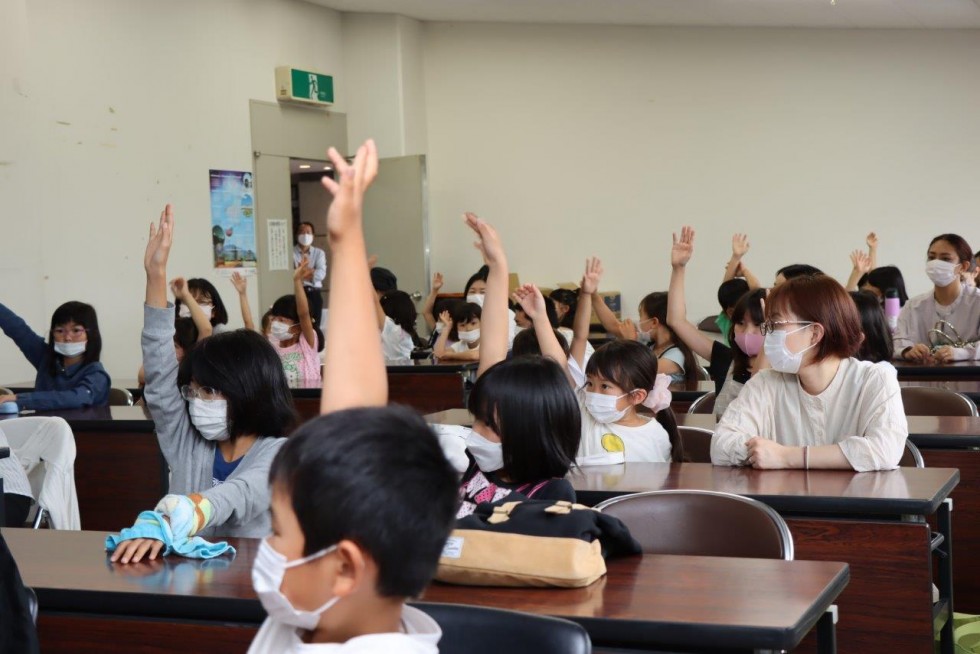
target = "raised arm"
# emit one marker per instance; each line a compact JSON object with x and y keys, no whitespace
{"x":430,"y":301}
{"x":608,"y":319}
{"x":240,"y":282}
{"x":860,"y":265}
{"x":178,"y":286}
{"x":872,"y":241}
{"x":680,"y":255}
{"x":303,"y":305}
{"x":31,"y":345}
{"x":583,"y":312}
{"x":740,"y":247}
{"x":495,"y":320}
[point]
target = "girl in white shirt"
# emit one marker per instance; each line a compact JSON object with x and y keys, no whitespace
{"x":817,"y":407}
{"x":462,"y":327}
{"x":949,"y":307}
{"x":397,"y":316}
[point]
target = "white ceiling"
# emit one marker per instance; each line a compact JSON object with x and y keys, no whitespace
{"x":700,"y":13}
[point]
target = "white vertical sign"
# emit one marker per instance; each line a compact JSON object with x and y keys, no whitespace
{"x":278,"y":245}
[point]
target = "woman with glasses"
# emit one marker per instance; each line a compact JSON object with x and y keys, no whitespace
{"x":818,"y":406}
{"x":940,"y":325}
{"x":220,"y":417}
{"x":69,"y":374}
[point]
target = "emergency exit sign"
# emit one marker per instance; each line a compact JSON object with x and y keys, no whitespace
{"x":310,"y":87}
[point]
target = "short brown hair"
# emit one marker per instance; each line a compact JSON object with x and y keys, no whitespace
{"x":821,"y":299}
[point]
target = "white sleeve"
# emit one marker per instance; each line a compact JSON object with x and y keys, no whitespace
{"x":743,"y":419}
{"x":881,"y":443}
{"x":905,"y":331}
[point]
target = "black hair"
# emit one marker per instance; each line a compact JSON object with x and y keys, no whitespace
{"x":81,"y":314}
{"x":286,"y":308}
{"x":655,"y":306}
{"x":399,"y":306}
{"x":731,"y":291}
{"x":749,"y":304}
{"x":219,"y":315}
{"x":631,"y":365}
{"x":549,"y":309}
{"x":442,"y":304}
{"x":480,"y":275}
{"x":877,"y":344}
{"x":569,"y":298}
{"x":185,"y":333}
{"x":266,"y":321}
{"x":798,"y":270}
{"x":463,"y":312}
{"x":308,"y":224}
{"x":528,"y":403}
{"x":245,"y":368}
{"x":383,"y":280}
{"x":526,"y":342}
{"x":958,"y":243}
{"x":378,"y":477}
{"x":884,"y":278}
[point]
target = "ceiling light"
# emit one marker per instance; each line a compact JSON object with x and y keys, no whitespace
{"x":304,"y":166}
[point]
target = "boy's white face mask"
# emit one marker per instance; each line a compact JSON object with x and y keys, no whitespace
{"x":268,"y":570}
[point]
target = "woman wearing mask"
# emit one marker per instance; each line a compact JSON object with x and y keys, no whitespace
{"x":950,"y":307}
{"x":818,"y":406}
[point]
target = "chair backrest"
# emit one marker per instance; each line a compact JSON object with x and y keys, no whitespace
{"x":696,"y":443}
{"x":930,"y":401}
{"x":479,"y":630}
{"x":120,"y":397}
{"x":704,"y":404}
{"x":911,"y":457}
{"x":702,"y":523}
{"x":703,"y":374}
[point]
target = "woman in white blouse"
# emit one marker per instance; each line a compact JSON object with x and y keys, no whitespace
{"x":818,"y":407}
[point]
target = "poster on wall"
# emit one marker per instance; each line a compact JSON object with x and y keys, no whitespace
{"x":232,"y":219}
{"x":279,"y":246}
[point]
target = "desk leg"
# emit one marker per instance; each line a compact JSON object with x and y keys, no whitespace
{"x":946,"y":574}
{"x":826,"y":634}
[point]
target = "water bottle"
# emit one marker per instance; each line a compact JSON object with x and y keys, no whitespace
{"x":892,"y":308}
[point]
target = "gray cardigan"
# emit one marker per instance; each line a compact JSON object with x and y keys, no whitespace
{"x":241,"y":503}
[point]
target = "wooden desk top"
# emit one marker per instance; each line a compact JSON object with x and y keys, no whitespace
{"x":905,"y":491}
{"x":679,"y":600}
{"x":101,"y":419}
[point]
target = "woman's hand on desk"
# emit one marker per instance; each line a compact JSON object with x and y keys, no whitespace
{"x":133,"y":551}
{"x":770,"y":455}
{"x":919,"y":353}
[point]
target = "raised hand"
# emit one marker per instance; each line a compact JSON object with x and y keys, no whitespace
{"x":592,"y":276}
{"x":353,"y":180}
{"x":488,"y":243}
{"x":158,"y":245}
{"x":861,"y":261}
{"x":178,"y":286}
{"x":531,"y":300}
{"x":740,"y":245}
{"x":240,"y":282}
{"x":683,"y":248}
{"x":301,"y":269}
{"x":629,"y":330}
{"x":436,"y":282}
{"x":446,"y":319}
{"x":872,"y":240}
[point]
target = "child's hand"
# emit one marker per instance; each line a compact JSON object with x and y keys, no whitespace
{"x":872,"y":240}
{"x":239,"y":282}
{"x":344,"y":216}
{"x":531,"y":300}
{"x":158,"y":245}
{"x":446,"y":319}
{"x":629,"y":330}
{"x":436,"y":282}
{"x":683,"y":248}
{"x":300,"y":273}
{"x":132,"y":551}
{"x":489,"y":243}
{"x":861,"y":261}
{"x":740,"y":245}
{"x":592,"y":276}
{"x":178,"y":286}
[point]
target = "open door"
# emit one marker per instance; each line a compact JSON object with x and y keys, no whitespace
{"x":396,"y":223}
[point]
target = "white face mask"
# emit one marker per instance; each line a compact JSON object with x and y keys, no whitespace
{"x":941,"y":273}
{"x":780,"y":358}
{"x":185,"y":311}
{"x":268,"y":569}
{"x":306,"y":240}
{"x":70,"y":349}
{"x":280,"y":331}
{"x":471,"y":336}
{"x":476,"y":298}
{"x":603,"y":407}
{"x":210,"y":417}
{"x":489,"y":456}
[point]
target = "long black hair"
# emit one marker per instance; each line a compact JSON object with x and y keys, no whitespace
{"x":749,"y":305}
{"x":83,"y":315}
{"x":219,"y":314}
{"x":655,"y":306}
{"x":884,"y":278}
{"x":399,"y":306}
{"x":877,"y":344}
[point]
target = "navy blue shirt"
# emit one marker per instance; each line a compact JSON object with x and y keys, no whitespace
{"x":221,"y":468}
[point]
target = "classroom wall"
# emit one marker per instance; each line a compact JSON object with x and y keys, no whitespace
{"x":110,"y":108}
{"x":582,"y":140}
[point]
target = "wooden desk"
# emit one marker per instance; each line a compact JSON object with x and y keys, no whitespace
{"x":644,"y":601}
{"x":959,"y":371}
{"x":833,"y":515}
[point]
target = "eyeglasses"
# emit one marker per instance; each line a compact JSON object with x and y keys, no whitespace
{"x":201,"y":392}
{"x":770,"y":326}
{"x":74,"y":332}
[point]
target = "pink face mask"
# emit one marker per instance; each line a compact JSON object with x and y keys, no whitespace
{"x":750,"y":343}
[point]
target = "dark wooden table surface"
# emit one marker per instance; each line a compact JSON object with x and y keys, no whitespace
{"x":958,"y":371}
{"x":648,"y":601}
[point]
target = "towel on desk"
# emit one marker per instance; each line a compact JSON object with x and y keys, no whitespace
{"x":151,"y":524}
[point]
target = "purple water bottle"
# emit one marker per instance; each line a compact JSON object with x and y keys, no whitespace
{"x":892,"y":308}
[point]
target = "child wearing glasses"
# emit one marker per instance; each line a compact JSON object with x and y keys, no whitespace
{"x":818,"y":406}
{"x":220,"y":416}
{"x":69,"y":374}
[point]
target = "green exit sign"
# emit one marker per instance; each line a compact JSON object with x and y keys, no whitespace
{"x":295,"y":85}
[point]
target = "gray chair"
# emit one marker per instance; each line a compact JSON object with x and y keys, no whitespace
{"x":120,"y":397}
{"x":696,"y":444}
{"x":479,"y":630}
{"x":702,"y":523}
{"x":931,"y":401}
{"x":911,"y":457}
{"x":704,"y":404}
